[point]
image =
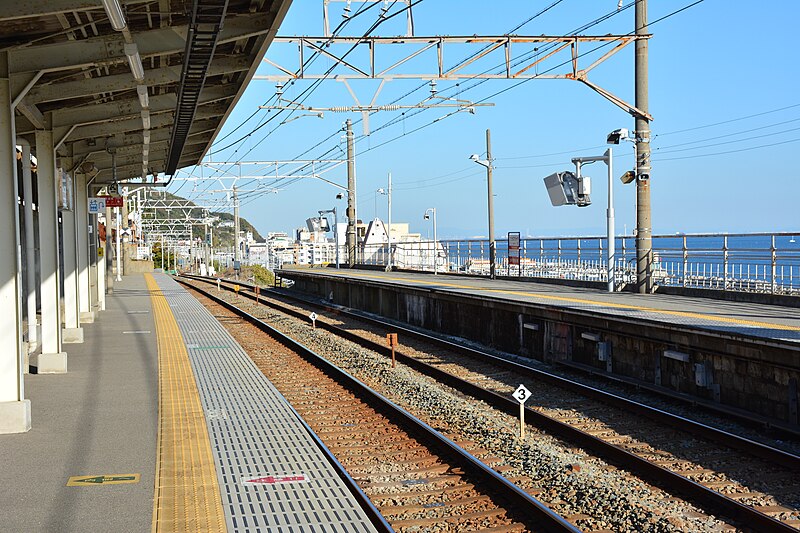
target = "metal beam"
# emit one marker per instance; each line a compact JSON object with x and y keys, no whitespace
{"x":101,"y":51}
{"x":120,"y":109}
{"x":37,"y":8}
{"x":121,"y":82}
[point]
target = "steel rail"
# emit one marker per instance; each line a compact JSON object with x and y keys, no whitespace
{"x":716,"y":501}
{"x":528,"y":507}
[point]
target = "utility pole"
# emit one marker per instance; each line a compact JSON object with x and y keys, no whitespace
{"x":236,"y":257}
{"x":351,"y":196}
{"x":492,"y":244}
{"x":644,"y":228}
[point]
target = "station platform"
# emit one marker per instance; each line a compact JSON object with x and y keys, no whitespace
{"x":164,"y":424}
{"x":764,"y":321}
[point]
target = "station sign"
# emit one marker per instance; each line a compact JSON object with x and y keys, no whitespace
{"x":97,"y":205}
{"x":113,"y":201}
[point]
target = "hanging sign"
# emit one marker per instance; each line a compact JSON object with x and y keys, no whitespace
{"x":97,"y":205}
{"x":113,"y":201}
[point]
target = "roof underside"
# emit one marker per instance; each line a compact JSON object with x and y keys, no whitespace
{"x":71,"y":66}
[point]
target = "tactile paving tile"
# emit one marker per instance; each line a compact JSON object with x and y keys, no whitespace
{"x":255,"y":434}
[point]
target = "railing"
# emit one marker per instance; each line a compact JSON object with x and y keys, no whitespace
{"x":750,"y":262}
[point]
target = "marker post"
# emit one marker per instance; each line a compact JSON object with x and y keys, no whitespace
{"x":521,"y":395}
{"x":391,"y":339}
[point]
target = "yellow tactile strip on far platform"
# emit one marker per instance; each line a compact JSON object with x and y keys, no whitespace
{"x":187,"y":496}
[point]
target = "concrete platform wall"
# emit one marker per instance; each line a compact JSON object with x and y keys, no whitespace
{"x":754,"y":375}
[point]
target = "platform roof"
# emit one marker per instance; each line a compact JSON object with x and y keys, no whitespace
{"x":70,"y":67}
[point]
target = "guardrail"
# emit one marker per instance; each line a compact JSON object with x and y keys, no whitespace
{"x":747,"y":262}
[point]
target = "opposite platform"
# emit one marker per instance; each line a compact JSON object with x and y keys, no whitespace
{"x":763,"y":321}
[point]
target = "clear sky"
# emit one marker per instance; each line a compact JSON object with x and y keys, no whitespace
{"x":723,"y":93}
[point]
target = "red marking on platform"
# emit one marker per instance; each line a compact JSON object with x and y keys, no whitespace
{"x":274,"y":480}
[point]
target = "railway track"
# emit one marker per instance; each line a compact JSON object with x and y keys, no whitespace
{"x":417,"y":479}
{"x":752,"y":483}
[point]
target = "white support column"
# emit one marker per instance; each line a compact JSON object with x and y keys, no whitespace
{"x":82,"y":230}
{"x":51,"y":359}
{"x":15,"y":410}
{"x":72,"y":333}
{"x":29,"y":274}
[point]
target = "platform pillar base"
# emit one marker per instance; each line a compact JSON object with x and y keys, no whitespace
{"x":50,"y":363}
{"x":87,"y":317}
{"x":15,"y":417}
{"x":72,"y":335}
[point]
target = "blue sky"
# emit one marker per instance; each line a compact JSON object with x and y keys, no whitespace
{"x":714,"y":170}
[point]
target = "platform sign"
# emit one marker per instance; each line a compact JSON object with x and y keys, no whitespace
{"x":276,"y":480}
{"x":97,"y":206}
{"x":113,"y":201}
{"x":521,"y":395}
{"x":103,"y":479}
{"x":514,"y":250}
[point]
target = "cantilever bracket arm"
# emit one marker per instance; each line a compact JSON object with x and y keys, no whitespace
{"x":630,"y":109}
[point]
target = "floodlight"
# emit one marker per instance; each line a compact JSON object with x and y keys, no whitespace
{"x":628,"y":177}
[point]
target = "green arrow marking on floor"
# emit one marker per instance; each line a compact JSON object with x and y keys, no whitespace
{"x":83,"y":481}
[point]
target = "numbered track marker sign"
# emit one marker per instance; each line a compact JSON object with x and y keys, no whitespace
{"x":522,"y":394}
{"x":313,"y":317}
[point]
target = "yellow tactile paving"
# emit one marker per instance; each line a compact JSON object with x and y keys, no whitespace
{"x":566,"y":299}
{"x":187,"y":496}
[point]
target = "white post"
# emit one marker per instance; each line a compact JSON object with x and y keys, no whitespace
{"x":119,"y":254}
{"x":435,"y":244}
{"x":610,"y":216}
{"x":52,"y":359}
{"x":389,"y":263}
{"x":30,"y":249}
{"x":15,"y":410}
{"x":82,"y":230}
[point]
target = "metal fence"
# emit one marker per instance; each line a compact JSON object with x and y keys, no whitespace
{"x":751,"y":262}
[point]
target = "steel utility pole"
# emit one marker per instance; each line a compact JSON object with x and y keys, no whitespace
{"x":236,"y":257}
{"x":389,"y":228}
{"x":492,"y":244}
{"x":351,"y":196}
{"x":644,"y":228}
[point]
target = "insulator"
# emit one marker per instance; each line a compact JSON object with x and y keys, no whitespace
{"x":340,"y":109}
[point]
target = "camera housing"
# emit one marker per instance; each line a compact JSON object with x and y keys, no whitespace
{"x":617,"y":135}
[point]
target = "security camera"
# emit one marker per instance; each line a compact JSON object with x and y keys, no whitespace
{"x":426,"y":216}
{"x":617,"y":135}
{"x":644,"y":176}
{"x":339,"y":196}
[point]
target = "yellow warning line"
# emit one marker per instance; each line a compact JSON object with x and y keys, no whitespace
{"x":568,"y":299}
{"x":187,"y":496}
